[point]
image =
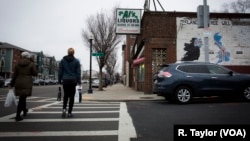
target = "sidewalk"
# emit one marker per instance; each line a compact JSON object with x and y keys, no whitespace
{"x":119,"y":92}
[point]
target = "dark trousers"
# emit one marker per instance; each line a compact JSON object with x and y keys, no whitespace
{"x":21,"y":105}
{"x":69,"y":94}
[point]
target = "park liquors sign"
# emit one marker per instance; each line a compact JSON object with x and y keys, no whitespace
{"x":128,"y":21}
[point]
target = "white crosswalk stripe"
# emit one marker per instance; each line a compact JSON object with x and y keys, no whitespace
{"x":59,"y":133}
{"x":124,"y":132}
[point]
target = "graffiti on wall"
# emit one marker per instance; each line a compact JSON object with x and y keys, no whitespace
{"x":229,"y":41}
{"x":192,"y":50}
{"x":222,"y":54}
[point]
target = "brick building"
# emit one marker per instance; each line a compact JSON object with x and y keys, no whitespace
{"x":167,"y":37}
{"x":47,"y":66}
{"x":9,"y":56}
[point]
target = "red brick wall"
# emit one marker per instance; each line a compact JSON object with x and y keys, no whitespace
{"x":129,"y":42}
{"x":158,"y":30}
{"x":240,"y":69}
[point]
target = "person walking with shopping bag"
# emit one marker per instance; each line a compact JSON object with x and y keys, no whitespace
{"x":23,"y":82}
{"x":69,"y":76}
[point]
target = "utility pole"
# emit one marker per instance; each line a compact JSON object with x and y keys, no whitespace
{"x":147,"y":5}
{"x":203,"y":22}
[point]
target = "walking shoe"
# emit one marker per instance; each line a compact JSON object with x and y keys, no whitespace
{"x":70,"y":115}
{"x":25,"y":112}
{"x":64,"y":113}
{"x":18,"y":118}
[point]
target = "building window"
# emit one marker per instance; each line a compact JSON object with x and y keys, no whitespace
{"x":140,"y":72}
{"x":3,"y":51}
{"x":2,"y":63}
{"x":34,"y":58}
{"x":158,"y":58}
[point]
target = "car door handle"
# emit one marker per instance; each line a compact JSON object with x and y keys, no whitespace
{"x":213,"y":77}
{"x":189,"y":76}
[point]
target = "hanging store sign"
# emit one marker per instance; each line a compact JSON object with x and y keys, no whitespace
{"x":128,"y":21}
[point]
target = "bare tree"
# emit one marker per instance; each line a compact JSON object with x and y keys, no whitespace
{"x":225,"y":8}
{"x":105,"y":39}
{"x":111,"y":65}
{"x":85,"y":75}
{"x":239,"y":6}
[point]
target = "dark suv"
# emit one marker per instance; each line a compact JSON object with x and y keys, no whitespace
{"x":183,"y":81}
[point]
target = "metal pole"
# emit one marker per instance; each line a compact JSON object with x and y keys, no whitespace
{"x":1,"y":68}
{"x":205,"y":22}
{"x":90,"y":91}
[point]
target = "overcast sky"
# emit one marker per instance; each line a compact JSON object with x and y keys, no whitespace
{"x":52,"y":26}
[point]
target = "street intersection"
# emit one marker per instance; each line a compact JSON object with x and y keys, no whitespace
{"x":92,"y":120}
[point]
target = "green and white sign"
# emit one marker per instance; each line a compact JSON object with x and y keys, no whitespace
{"x":97,"y":54}
{"x":128,"y":21}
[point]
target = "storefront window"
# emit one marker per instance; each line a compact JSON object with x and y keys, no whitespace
{"x":158,"y":58}
{"x":140,"y":72}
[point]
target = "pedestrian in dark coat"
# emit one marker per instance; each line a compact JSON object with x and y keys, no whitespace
{"x":69,"y":75}
{"x":23,"y":82}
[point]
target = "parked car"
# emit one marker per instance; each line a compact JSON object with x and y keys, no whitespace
{"x":50,"y":82}
{"x":183,"y":81}
{"x":47,"y":82}
{"x":54,"y":82}
{"x":1,"y":81}
{"x":7,"y":82}
{"x":96,"y":83}
{"x":84,"y":81}
{"x":38,"y":82}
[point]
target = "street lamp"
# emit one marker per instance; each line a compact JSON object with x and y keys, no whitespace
{"x":90,"y":91}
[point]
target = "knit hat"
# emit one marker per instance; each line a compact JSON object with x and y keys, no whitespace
{"x":25,"y":54}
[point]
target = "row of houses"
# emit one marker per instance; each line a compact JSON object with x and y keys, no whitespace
{"x":47,"y":66}
{"x":168,"y":37}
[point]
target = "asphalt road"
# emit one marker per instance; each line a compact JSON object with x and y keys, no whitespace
{"x":114,"y":121}
{"x":92,"y":121}
{"x":155,"y":121}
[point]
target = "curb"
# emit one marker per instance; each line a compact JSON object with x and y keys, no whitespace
{"x":139,"y":98}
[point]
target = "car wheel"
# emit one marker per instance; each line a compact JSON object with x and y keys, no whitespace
{"x":183,"y":94}
{"x":246,"y":93}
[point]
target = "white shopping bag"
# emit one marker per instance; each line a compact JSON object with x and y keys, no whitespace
{"x":10,"y":99}
{"x":78,"y":93}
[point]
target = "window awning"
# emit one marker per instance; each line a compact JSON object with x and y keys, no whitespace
{"x":138,"y":61}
